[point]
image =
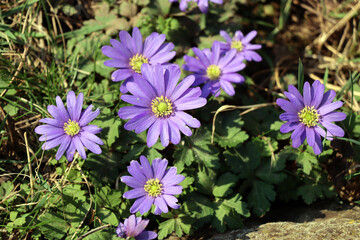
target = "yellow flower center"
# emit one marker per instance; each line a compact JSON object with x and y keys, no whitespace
{"x":71,"y":128}
{"x":161,"y":106}
{"x":309,"y":116}
{"x":213,"y":72}
{"x":136,"y":61}
{"x":153,"y":187}
{"x":237,"y":45}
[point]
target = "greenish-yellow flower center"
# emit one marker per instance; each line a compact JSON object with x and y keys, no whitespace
{"x":136,"y":61}
{"x":237,"y":45}
{"x":309,"y":116}
{"x":153,"y":187}
{"x":71,"y":128}
{"x":161,"y":106}
{"x":213,"y":72}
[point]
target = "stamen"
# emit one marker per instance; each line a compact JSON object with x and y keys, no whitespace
{"x":136,"y":61}
{"x":71,"y":128}
{"x":213,"y":72}
{"x":153,"y":187}
{"x":309,"y":116}
{"x":237,"y":45}
{"x":161,"y":106}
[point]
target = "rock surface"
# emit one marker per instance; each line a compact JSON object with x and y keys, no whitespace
{"x":326,"y":224}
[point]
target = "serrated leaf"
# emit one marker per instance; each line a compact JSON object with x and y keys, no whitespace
{"x":244,"y":160}
{"x":54,"y":226}
{"x":165,"y":228}
{"x":202,"y":150}
{"x":224,"y":185}
{"x":200,"y":208}
{"x":182,"y":154}
{"x":306,"y":160}
{"x":228,"y":130}
{"x":107,"y":216}
{"x":260,"y":196}
{"x":205,"y":180}
{"x":239,"y":206}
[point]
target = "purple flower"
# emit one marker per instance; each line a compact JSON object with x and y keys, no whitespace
{"x":242,"y":45}
{"x":69,"y":128}
{"x":159,"y":104}
{"x":152,"y":185}
{"x":130,"y":53}
{"x":305,"y":113}
{"x":214,"y":70}
{"x":203,"y":4}
{"x":134,"y":227}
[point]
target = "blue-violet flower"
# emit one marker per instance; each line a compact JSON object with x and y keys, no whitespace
{"x":214,"y":70}
{"x":130,"y":53}
{"x":203,"y":4}
{"x":134,"y":227}
{"x":305,"y":113}
{"x":69,"y":128}
{"x":153,"y":184}
{"x":159,"y":104}
{"x":242,"y":45}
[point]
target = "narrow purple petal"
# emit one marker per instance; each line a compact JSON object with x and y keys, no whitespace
{"x":70,"y":104}
{"x":180,"y":125}
{"x":188,"y":119}
{"x":288,"y":127}
{"x":171,"y":201}
{"x":159,"y":171}
{"x":227,"y":87}
{"x":88,"y":115}
{"x":53,"y":122}
{"x":202,"y":57}
{"x":164,"y":133}
{"x":307,"y":94}
{"x":286,"y":105}
{"x":299,"y":130}
{"x":335,"y":130}
{"x":147,"y":235}
{"x":153,"y":133}
{"x":134,"y":193}
{"x":130,"y":111}
{"x":189,"y":103}
{"x":146,"y":205}
{"x":93,"y":147}
{"x":173,"y":190}
{"x":160,"y":203}
{"x":182,"y":87}
{"x":137,"y":204}
{"x":174,"y":133}
{"x":250,"y":36}
{"x":63,"y":113}
{"x":334,"y":117}
{"x":325,"y":109}
{"x":121,"y":74}
{"x":140,"y":227}
{"x":53,"y":142}
{"x":132,"y":182}
{"x":91,"y":137}
{"x":310,"y":135}
{"x":137,"y":40}
{"x":79,"y":146}
{"x":70,"y":151}
{"x":63,"y":146}
{"x":147,"y":169}
{"x":318,"y":144}
{"x":226,"y":36}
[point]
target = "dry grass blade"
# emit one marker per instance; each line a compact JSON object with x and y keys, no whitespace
{"x":225,"y":108}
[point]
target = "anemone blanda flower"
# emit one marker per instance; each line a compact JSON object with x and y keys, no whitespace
{"x":135,"y":227}
{"x":130,"y":53}
{"x":214,"y":70}
{"x":304,"y":113}
{"x":203,"y":4}
{"x":153,"y":184}
{"x":242,"y":45}
{"x":159,"y":104}
{"x":69,"y":128}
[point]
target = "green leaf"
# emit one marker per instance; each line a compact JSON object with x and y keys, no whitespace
{"x":306,"y":160}
{"x":228,"y":130}
{"x":200,"y":208}
{"x":5,"y":190}
{"x":110,"y":125}
{"x":224,"y":185}
{"x":108,"y":197}
{"x":166,"y":227}
{"x":244,"y":160}
{"x":260,"y":196}
{"x":202,"y":150}
{"x":54,"y":226}
{"x":107,"y":216}
{"x":205,"y":180}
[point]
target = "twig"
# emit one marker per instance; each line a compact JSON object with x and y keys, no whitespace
{"x":94,"y":230}
{"x":224,"y":108}
{"x":30,"y":171}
